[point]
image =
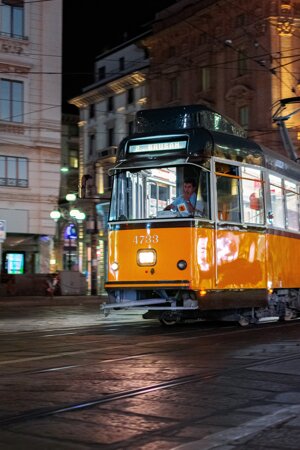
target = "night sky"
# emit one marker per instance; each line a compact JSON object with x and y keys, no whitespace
{"x":84,"y":36}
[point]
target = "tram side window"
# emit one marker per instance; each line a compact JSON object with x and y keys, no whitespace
{"x":119,"y":199}
{"x":277,"y":198}
{"x":228,"y":201}
{"x":252,"y":192}
{"x":291,"y":198}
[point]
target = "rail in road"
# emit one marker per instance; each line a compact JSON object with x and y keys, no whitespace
{"x":201,"y":373}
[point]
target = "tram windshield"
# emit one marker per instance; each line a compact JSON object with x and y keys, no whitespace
{"x":160,"y":193}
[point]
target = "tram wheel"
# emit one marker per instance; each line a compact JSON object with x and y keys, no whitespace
{"x":168,"y":320}
{"x":243,"y":322}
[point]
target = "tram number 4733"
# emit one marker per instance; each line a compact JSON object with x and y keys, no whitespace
{"x":148,"y":239}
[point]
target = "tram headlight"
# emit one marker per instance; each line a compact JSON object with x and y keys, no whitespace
{"x":114,"y":266}
{"x":182,"y":264}
{"x":146,"y":257}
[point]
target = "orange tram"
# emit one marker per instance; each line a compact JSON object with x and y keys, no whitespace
{"x":236,"y":256}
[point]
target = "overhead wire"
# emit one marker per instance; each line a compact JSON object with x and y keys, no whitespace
{"x":209,"y":65}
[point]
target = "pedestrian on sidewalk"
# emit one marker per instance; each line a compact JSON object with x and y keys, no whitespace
{"x":52,"y":284}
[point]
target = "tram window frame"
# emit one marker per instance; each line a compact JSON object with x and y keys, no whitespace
{"x":277,"y":209}
{"x":253,"y":204}
{"x":298,"y":191}
{"x":290,"y":212}
{"x":228,"y":206}
{"x":203,"y":208}
{"x":143,"y":194}
{"x":299,"y":205}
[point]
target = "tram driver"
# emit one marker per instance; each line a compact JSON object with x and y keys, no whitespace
{"x":186,"y":202}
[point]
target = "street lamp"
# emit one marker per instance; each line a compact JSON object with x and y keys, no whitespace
{"x":87,"y":247}
{"x":71,"y":197}
{"x":55,"y":215}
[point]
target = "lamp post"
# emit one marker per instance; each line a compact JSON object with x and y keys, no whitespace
{"x":92,"y":229}
{"x":68,"y":215}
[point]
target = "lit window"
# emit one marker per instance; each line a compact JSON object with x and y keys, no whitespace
{"x":73,"y":159}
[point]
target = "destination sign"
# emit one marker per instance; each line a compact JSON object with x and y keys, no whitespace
{"x":156,"y":146}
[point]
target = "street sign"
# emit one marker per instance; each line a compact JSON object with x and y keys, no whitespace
{"x":2,"y":230}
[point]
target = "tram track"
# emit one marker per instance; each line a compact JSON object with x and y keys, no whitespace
{"x":215,"y":332}
{"x":41,"y":413}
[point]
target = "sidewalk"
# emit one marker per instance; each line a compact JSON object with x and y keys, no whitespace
{"x":67,"y":300}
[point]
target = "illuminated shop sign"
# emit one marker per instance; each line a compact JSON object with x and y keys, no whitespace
{"x":14,"y":262}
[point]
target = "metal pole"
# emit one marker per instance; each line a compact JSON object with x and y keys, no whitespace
{"x":94,"y":243}
{"x":69,"y":255}
{"x":0,"y":263}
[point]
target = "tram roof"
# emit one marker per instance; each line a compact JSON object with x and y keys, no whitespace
{"x":183,"y":117}
{"x":213,"y":130}
{"x":281,"y":164}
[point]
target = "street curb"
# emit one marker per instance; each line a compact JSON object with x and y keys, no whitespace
{"x":55,"y":301}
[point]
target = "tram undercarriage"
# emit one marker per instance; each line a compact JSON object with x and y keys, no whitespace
{"x":173,"y":307}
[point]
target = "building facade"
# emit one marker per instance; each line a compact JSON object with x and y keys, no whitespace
{"x":30,"y":124}
{"x":238,"y":57}
{"x":65,"y":251}
{"x":107,"y":109}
